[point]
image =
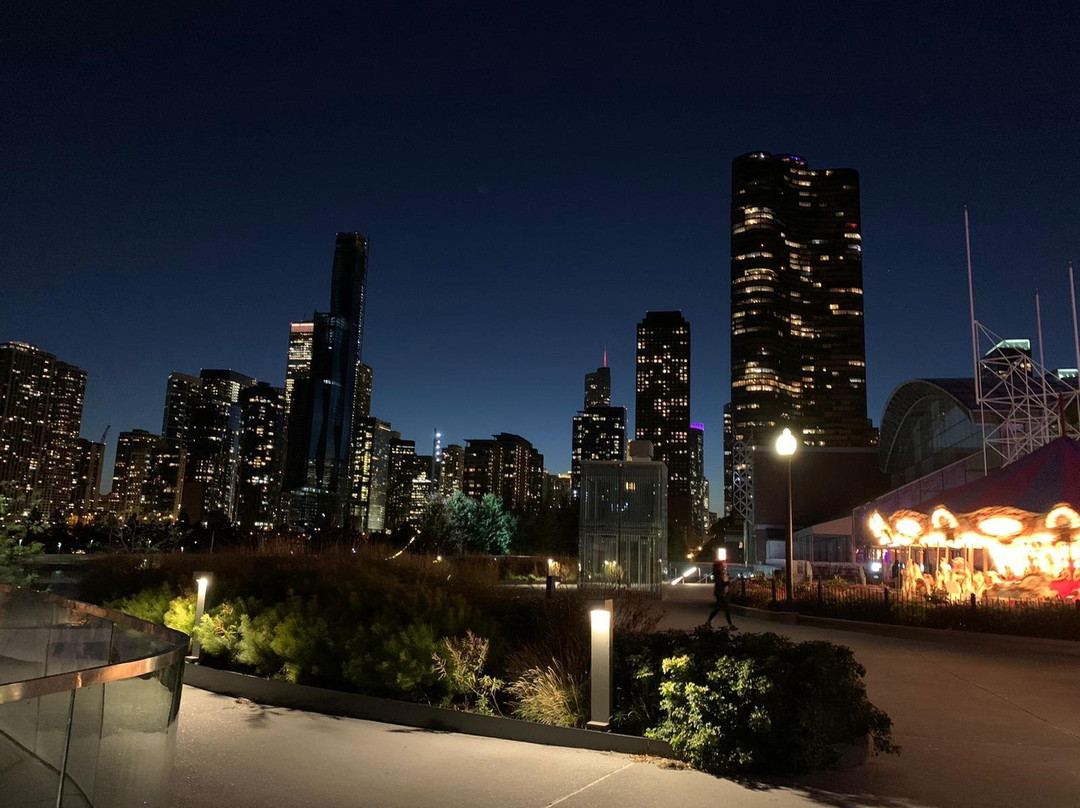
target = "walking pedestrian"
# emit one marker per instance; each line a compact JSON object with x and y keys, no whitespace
{"x":720,"y":585}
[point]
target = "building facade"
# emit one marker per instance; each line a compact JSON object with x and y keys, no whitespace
{"x":662,"y":407}
{"x":371,"y":475}
{"x":135,"y":451}
{"x":261,"y":457}
{"x":211,"y":468}
{"x":322,"y":411}
{"x":41,"y":403}
{"x":507,"y":466}
{"x":798,"y":355}
{"x":298,"y":359}
{"x":624,"y":522}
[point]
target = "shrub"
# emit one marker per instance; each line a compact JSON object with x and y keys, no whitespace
{"x":754,"y":703}
{"x":149,"y":604}
{"x":181,"y":613}
{"x":461,"y":666}
{"x":550,"y":695}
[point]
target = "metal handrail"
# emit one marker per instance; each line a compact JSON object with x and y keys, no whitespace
{"x":99,"y":674}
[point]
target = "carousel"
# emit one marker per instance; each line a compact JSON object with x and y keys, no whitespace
{"x":1009,"y":535}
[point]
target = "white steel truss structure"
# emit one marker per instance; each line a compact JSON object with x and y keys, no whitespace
{"x":1023,"y":405}
{"x":742,"y":480}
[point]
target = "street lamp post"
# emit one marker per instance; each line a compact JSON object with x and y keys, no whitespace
{"x":785,"y":447}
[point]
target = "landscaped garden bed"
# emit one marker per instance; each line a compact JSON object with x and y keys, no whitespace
{"x":448,"y":633}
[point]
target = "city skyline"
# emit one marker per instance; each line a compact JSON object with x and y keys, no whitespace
{"x":597,"y":191}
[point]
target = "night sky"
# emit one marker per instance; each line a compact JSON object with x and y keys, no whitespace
{"x":532,"y":180}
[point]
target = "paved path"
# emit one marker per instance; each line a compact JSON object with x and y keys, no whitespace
{"x":978,"y":731}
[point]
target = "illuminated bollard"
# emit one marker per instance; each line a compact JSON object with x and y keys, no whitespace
{"x":202,"y":581}
{"x":600,"y":618}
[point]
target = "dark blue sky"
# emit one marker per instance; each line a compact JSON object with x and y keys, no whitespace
{"x":532,"y":180}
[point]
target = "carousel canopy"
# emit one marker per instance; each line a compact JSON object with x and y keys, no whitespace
{"x":1036,"y":483}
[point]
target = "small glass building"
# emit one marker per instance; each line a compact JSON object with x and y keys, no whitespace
{"x":623,"y":532}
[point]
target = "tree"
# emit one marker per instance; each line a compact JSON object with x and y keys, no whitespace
{"x":478,"y":526}
{"x":17,"y":540}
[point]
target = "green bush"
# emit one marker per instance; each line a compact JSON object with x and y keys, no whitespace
{"x":149,"y":604}
{"x":741,"y":704}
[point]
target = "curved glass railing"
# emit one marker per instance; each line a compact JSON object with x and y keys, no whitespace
{"x":88,"y":704}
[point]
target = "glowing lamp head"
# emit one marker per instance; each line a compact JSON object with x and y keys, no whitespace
{"x":600,"y":619}
{"x":721,"y":554}
{"x":908,"y":528}
{"x":786,"y":443}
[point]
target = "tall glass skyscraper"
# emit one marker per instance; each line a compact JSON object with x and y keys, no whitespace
{"x":321,"y":417}
{"x":798,"y":356}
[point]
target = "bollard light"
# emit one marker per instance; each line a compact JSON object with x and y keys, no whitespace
{"x":202,"y":582}
{"x":600,"y":618}
{"x":786,"y":444}
{"x":721,"y":554}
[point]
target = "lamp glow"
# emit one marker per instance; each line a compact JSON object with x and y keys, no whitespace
{"x":202,"y":584}
{"x":721,"y":554}
{"x":786,"y":443}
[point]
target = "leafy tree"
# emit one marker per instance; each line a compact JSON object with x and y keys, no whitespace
{"x":478,"y":526}
{"x":17,"y":540}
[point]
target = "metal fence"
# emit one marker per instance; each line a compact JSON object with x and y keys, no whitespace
{"x":1052,"y":617}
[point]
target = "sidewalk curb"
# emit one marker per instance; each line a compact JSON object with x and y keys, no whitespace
{"x":389,"y":711}
{"x":995,"y":642}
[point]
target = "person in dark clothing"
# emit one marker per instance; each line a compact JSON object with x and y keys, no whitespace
{"x":720,"y":585}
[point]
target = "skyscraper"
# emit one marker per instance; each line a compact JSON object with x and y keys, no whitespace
{"x":167,"y":475}
{"x":662,"y":407}
{"x":131,"y":472}
{"x":370,"y":473}
{"x":86,"y":497}
{"x":598,"y":386}
{"x":599,"y":429}
{"x":41,"y":403}
{"x":213,"y":447}
{"x":261,"y":455}
{"x":797,"y":346}
{"x":322,"y":411}
{"x":298,"y":361}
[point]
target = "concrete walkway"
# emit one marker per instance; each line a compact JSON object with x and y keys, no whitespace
{"x":978,"y":730}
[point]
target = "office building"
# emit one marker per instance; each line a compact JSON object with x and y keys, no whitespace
{"x":41,"y":403}
{"x":662,"y":407}
{"x":507,"y":466}
{"x":598,"y":386}
{"x":322,"y":411}
{"x":599,"y":429}
{"x":405,"y":469}
{"x":699,"y":486}
{"x":131,"y":472}
{"x":797,"y":346}
{"x":371,"y":475}
{"x":213,"y":446}
{"x":298,"y":361}
{"x":162,"y":495}
{"x":261,"y":457}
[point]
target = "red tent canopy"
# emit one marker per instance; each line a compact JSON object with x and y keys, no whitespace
{"x":1035,"y":483}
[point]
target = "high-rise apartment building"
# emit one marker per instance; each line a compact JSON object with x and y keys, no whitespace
{"x":662,"y":407}
{"x":451,"y":469}
{"x":797,"y":345}
{"x":322,"y":411}
{"x":41,"y":403}
{"x":135,"y":452}
{"x":507,"y":466}
{"x":261,"y":455}
{"x":86,"y":497}
{"x":599,"y":429}
{"x":364,"y":377}
{"x":404,"y":466}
